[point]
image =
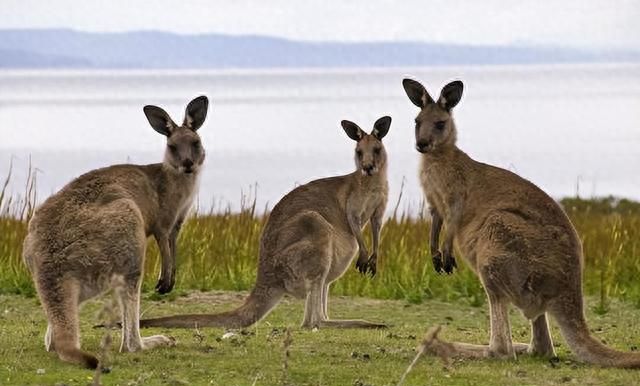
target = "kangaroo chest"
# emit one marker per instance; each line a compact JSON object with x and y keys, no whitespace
{"x":433,"y":185}
{"x":175,"y":206}
{"x":371,"y":201}
{"x":443,"y":187}
{"x":186,"y":201}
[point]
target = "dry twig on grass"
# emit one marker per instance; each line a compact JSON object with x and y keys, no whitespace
{"x":430,"y":343}
{"x":198,"y":335}
{"x":286,"y":344}
{"x":109,"y":316}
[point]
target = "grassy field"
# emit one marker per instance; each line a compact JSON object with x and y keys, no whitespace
{"x":325,"y":357}
{"x":219,"y":251}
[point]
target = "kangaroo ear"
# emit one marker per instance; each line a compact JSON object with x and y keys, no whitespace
{"x":381,"y":127}
{"x":450,"y":95}
{"x":159,"y":120}
{"x":417,"y":93}
{"x":353,"y":131}
{"x":196,"y":113}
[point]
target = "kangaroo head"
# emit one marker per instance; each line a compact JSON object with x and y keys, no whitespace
{"x":184,"y":151}
{"x":435,"y":128}
{"x":370,"y":154}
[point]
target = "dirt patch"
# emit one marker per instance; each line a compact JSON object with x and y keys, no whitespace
{"x":217,"y":297}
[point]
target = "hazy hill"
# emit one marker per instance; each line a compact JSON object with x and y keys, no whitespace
{"x":55,"y":48}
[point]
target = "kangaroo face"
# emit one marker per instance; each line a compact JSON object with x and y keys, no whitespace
{"x":434,"y":124}
{"x":370,"y":155}
{"x":184,"y":151}
{"x":433,"y":128}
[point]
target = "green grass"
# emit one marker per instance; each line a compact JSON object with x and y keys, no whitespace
{"x":219,"y":251}
{"x":324,"y":357}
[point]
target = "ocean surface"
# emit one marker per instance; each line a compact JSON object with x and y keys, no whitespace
{"x":571,"y":129}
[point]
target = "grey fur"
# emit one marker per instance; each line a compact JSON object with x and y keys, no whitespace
{"x":513,"y":235}
{"x":91,"y":235}
{"x":310,"y":239}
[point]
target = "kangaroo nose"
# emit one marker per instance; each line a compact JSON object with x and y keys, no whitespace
{"x":187,"y":163}
{"x":368,"y":169}
{"x":422,"y":145}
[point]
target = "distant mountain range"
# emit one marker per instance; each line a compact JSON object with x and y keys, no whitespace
{"x":62,"y":48}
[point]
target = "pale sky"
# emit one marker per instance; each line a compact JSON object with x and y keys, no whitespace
{"x":581,"y":23}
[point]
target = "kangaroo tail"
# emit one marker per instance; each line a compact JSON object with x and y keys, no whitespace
{"x":76,"y":355}
{"x":61,"y":307}
{"x":587,"y":348}
{"x":67,"y":346}
{"x":256,"y":306}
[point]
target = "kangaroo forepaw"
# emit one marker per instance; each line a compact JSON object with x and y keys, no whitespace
{"x":362,"y":264}
{"x":164,"y":286}
{"x":449,"y":263}
{"x":367,"y":265}
{"x":437,"y":261}
{"x":372,"y":264}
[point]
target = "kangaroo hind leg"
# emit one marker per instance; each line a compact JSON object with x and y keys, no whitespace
{"x":314,"y":313}
{"x":342,"y":323}
{"x":325,"y":301}
{"x":541,"y":342}
{"x":48,"y":339}
{"x":500,"y":344}
{"x":314,"y":307}
{"x":129,"y":297}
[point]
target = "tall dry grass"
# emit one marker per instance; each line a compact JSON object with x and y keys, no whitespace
{"x":219,"y":251}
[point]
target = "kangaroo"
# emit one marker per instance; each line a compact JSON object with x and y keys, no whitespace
{"x":514,"y":236}
{"x":310,"y":239}
{"x":91,"y":235}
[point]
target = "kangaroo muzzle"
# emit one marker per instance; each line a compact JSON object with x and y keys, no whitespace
{"x":424,"y":145}
{"x":369,"y":170}
{"x":188,"y":166}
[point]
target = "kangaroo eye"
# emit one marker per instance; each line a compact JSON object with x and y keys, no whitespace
{"x":376,"y":151}
{"x":173,"y":148}
{"x":439,"y":125}
{"x":195,"y":143}
{"x":359,"y":153}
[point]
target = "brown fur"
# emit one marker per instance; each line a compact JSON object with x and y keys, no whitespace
{"x":91,"y":235}
{"x":310,"y":238}
{"x":513,"y":235}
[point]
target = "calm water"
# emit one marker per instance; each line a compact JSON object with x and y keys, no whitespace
{"x":567,"y":128}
